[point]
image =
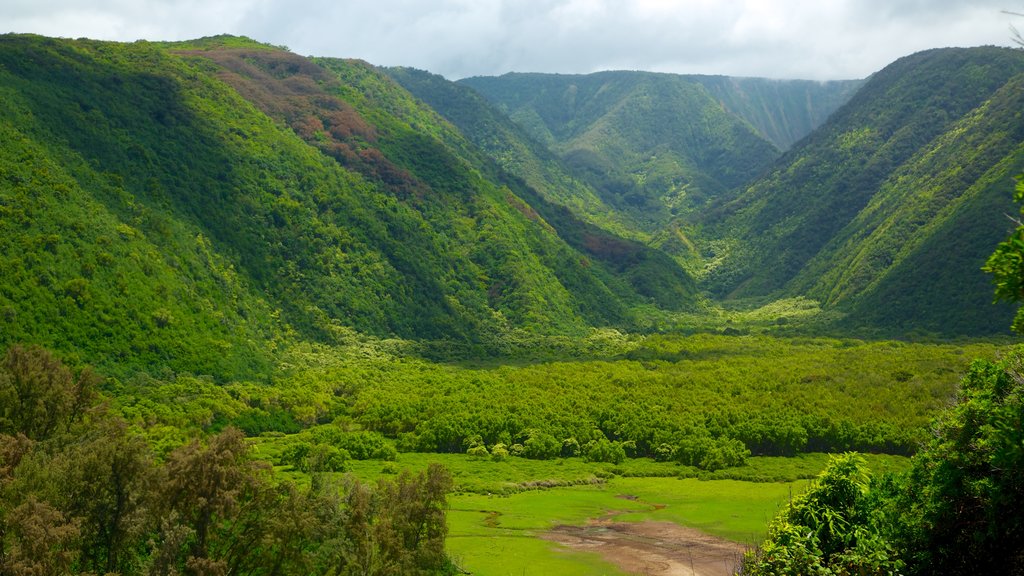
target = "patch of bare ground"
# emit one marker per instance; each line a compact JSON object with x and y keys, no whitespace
{"x":653,"y":548}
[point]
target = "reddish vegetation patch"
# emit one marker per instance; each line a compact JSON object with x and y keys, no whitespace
{"x":299,"y":92}
{"x":653,"y":548}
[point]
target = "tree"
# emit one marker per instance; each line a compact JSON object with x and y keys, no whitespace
{"x":963,"y":503}
{"x":39,"y":396}
{"x":829,"y":530}
{"x":45,"y":541}
{"x":398,"y":528}
{"x":1006,"y":264}
{"x":202,"y":486}
{"x":103,"y":480}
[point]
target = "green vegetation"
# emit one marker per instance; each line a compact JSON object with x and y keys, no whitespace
{"x":652,"y":145}
{"x":829,"y":529}
{"x":509,"y":145}
{"x":957,"y":510}
{"x":702,"y":401}
{"x":237,"y":197}
{"x":81,"y":492}
{"x":782,"y":111}
{"x":888,"y":212}
{"x":323,"y":297}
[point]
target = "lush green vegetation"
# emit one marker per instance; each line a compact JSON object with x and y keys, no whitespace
{"x":957,"y":510}
{"x":237,"y":197}
{"x":908,"y":181}
{"x":704,"y":401}
{"x":510,"y":146}
{"x":652,"y":145}
{"x":81,"y":492}
{"x":561,"y":200}
{"x":305,"y":287}
{"x":783,"y":111}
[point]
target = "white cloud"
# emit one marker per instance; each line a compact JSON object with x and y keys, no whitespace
{"x":817,"y":39}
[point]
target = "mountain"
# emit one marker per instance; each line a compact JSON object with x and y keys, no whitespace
{"x":889,"y":210}
{"x":569,"y":205}
{"x":656,"y":146}
{"x":652,"y":145}
{"x":782,"y":111}
{"x":508,"y":144}
{"x":198,"y":205}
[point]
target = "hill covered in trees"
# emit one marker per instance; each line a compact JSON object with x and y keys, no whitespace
{"x":244,"y":195}
{"x":193,"y":204}
{"x":338,"y":260}
{"x":890,"y":209}
{"x":658,"y":145}
{"x":651,"y":145}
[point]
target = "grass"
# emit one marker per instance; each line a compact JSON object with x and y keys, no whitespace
{"x":730,"y":509}
{"x":514,"y":475}
{"x":499,"y":535}
{"x":501,"y":510}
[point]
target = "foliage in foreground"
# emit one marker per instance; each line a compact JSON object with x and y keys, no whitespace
{"x":829,"y":530}
{"x":959,"y":510}
{"x":81,"y":492}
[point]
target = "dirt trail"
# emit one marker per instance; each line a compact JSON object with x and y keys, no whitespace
{"x":653,"y":548}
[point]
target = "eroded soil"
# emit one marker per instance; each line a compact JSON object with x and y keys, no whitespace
{"x":653,"y":548}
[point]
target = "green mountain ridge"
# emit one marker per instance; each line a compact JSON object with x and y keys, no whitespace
{"x":200,"y":206}
{"x":782,"y":111}
{"x":562,"y":200}
{"x":652,"y":145}
{"x":508,"y":144}
{"x":196,"y":205}
{"x":889,"y":210}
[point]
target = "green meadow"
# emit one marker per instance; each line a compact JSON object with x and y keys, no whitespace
{"x":499,"y":511}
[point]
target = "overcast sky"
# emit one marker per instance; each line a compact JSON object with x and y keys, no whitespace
{"x":811,"y":39}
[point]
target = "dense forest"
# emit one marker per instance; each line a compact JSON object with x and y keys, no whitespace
{"x":230,"y":275}
{"x":885,"y":212}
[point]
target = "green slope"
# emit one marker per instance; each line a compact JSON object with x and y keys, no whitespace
{"x":891,"y":208}
{"x":570,"y":206}
{"x":197,"y":205}
{"x":783,"y":111}
{"x":652,"y":145}
{"x":507,"y":144}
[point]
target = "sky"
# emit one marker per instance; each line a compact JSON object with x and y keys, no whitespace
{"x":805,"y":39}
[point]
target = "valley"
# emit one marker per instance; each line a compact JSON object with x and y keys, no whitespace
{"x":271,"y":314}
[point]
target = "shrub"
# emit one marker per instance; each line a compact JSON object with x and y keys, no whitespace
{"x":541,"y":446}
{"x":604,"y":450}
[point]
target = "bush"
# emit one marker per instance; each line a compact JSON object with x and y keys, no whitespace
{"x":541,"y":446}
{"x":499,"y":452}
{"x":828,"y":530}
{"x":570,"y":448}
{"x":359,"y":445}
{"x":604,"y":450}
{"x":711,"y":454}
{"x":308,"y":457}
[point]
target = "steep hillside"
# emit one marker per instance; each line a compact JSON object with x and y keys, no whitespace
{"x":890,"y":209}
{"x":196,"y":205}
{"x":652,"y":145}
{"x":507,"y":143}
{"x":783,"y":111}
{"x":569,"y":205}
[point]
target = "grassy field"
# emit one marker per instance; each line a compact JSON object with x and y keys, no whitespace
{"x":500,"y":535}
{"x":500,"y":510}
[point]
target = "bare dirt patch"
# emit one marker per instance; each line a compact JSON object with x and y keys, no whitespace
{"x":653,"y":548}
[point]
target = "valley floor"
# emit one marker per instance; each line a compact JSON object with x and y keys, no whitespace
{"x":653,"y":548}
